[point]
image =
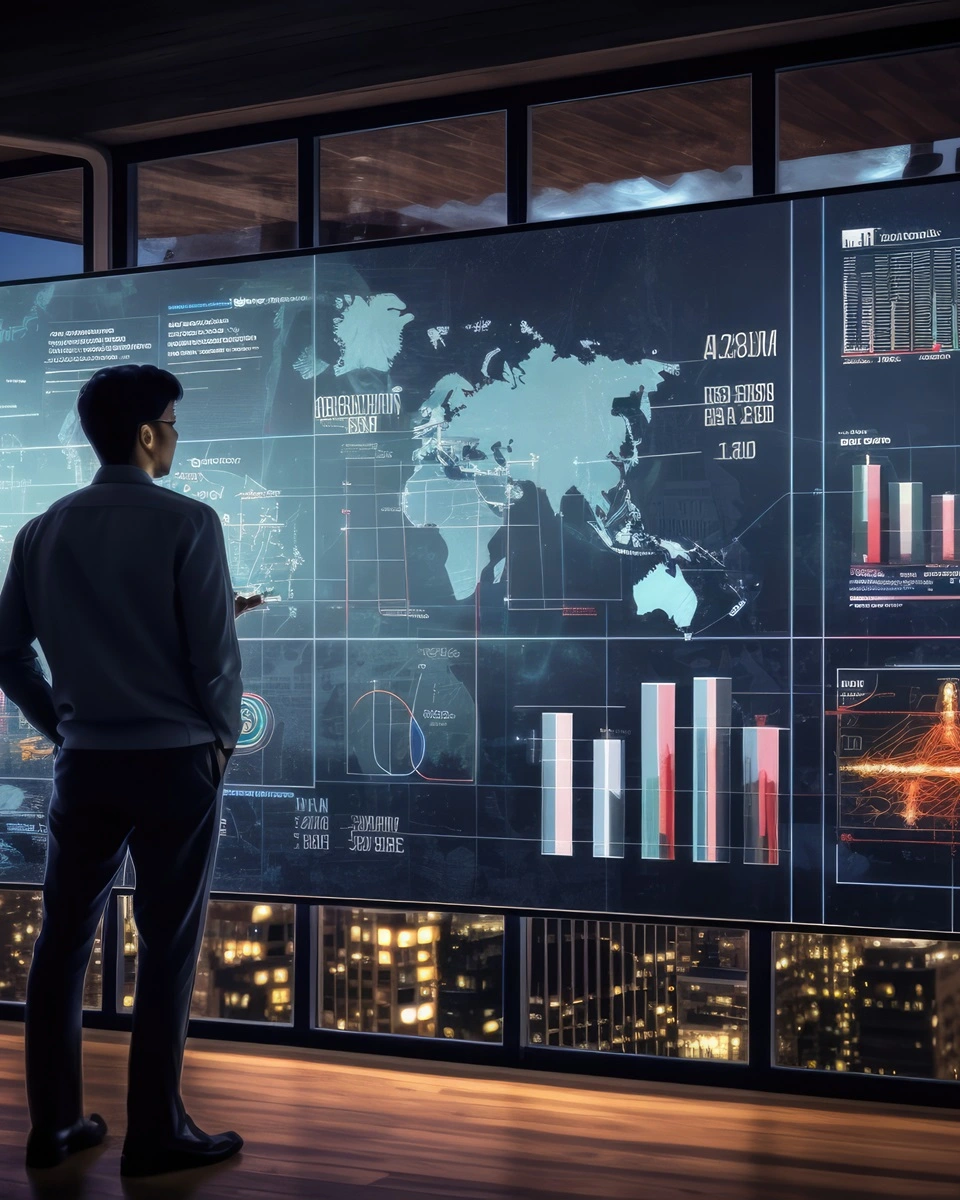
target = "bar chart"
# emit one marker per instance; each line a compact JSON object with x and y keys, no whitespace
{"x":901,"y":302}
{"x":908,"y":534}
{"x":705,"y":770}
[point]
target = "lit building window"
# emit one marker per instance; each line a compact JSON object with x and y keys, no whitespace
{"x":419,"y":989}
{"x":247,"y":947}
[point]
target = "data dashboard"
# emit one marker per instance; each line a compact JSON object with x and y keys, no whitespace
{"x":610,"y":567}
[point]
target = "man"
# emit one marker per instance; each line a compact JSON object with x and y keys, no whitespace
{"x":126,"y":587}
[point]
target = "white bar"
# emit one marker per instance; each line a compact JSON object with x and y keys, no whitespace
{"x":556,"y":744}
{"x":608,"y":800}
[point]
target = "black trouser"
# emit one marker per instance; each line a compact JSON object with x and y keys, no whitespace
{"x":164,"y":805}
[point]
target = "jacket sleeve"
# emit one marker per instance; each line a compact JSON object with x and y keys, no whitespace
{"x":205,"y":603}
{"x":21,"y":676}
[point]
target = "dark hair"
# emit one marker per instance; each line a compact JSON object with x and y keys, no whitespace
{"x":116,"y":401}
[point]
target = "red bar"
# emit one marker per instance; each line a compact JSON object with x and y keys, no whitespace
{"x":711,"y":770}
{"x":768,"y":790}
{"x":667,"y":772}
{"x":873,"y":512}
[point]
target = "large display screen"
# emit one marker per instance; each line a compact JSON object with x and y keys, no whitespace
{"x":610,"y":567}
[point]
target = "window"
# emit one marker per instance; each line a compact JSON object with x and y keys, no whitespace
{"x":21,"y":913}
{"x":650,"y":149}
{"x":872,"y":1015}
{"x":420,"y":974}
{"x":867,"y":121}
{"x":245,"y":969}
{"x":41,"y":225}
{"x":677,"y":991}
{"x":217,"y":205}
{"x":427,"y":178}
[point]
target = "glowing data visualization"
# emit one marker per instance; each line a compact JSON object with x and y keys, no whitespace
{"x":700,"y":782}
{"x":901,"y":301}
{"x":611,"y":567}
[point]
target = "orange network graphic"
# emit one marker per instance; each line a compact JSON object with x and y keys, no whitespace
{"x":915,"y":775}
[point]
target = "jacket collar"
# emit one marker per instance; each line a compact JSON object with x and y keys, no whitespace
{"x":122,"y":474}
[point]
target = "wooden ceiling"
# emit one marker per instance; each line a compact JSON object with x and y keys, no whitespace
{"x":659,"y":133}
{"x":461,"y":159}
{"x":210,"y":193}
{"x":72,"y":69}
{"x":49,"y":205}
{"x":84,"y":73}
{"x":874,"y":102}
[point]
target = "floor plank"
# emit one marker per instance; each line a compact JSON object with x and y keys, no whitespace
{"x":345,"y":1127}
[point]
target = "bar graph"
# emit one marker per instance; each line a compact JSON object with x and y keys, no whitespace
{"x":912,"y":537}
{"x":697,"y":784}
{"x":901,"y":302}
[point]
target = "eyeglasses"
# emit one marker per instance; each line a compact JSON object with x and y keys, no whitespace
{"x":161,"y":421}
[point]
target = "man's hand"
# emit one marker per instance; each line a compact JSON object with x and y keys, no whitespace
{"x":242,"y":604}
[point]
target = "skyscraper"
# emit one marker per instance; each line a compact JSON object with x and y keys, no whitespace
{"x":632,"y":988}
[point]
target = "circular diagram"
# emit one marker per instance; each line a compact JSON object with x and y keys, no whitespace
{"x":257,"y":724}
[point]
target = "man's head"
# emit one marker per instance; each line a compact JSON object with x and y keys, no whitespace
{"x":127,"y":415}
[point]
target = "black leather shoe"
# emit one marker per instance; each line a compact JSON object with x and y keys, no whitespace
{"x":148,"y":1158}
{"x":50,"y":1149}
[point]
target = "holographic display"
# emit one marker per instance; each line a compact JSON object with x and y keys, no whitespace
{"x":573,"y":542}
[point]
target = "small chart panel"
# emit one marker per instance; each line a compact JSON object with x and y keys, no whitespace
{"x":411,"y":711}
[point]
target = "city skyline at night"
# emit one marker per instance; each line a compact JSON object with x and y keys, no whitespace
{"x":676,"y":991}
{"x":876,"y":1005}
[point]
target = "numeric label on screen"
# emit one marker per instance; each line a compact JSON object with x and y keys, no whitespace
{"x":749,"y":343}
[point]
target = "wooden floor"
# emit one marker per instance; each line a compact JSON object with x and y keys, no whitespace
{"x":341,"y":1127}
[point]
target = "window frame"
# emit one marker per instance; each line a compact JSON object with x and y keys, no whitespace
{"x":48,"y":164}
{"x":317,"y":178}
{"x":762,"y":65}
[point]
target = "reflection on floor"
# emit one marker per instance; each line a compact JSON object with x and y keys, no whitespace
{"x":343,"y":1127}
